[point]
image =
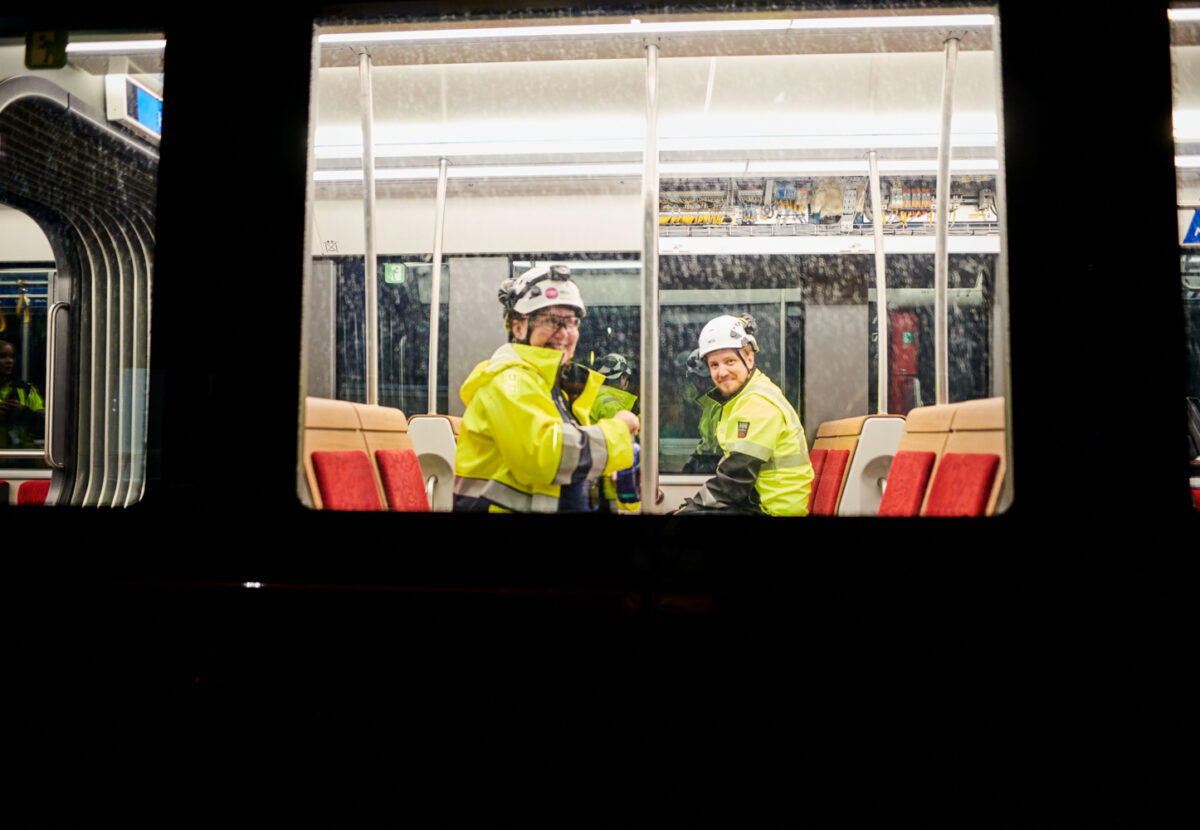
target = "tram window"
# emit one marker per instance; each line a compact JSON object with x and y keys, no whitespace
{"x":1185,"y":69}
{"x":500,"y":145}
{"x":23,"y":294}
{"x":80,"y":167}
{"x":1185,"y":72}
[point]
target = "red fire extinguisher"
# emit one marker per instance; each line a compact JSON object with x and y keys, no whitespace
{"x":903,"y":386}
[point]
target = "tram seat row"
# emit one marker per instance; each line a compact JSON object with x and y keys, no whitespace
{"x":850,"y":456}
{"x":366,"y":457}
{"x":942,"y":460}
{"x":31,"y":492}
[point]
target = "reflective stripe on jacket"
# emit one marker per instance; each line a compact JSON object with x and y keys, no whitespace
{"x":763,"y":441}
{"x":515,"y":450}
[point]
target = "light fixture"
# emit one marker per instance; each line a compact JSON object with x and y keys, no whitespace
{"x":667,"y":170}
{"x":640,"y":29}
{"x":115,"y":47}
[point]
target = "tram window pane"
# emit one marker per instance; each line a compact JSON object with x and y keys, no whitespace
{"x":76,"y":262}
{"x":763,"y":134}
{"x":1185,"y":67}
{"x":23,"y":307}
{"x":1185,"y":71}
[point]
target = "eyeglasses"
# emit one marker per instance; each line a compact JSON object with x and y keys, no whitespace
{"x":554,"y":323}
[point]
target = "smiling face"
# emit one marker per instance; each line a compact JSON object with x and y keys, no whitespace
{"x":728,"y":369}
{"x":545,"y":330}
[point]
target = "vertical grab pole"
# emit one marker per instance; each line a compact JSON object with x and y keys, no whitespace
{"x":941,"y":338}
{"x":881,"y":347}
{"x":367,"y":111}
{"x":649,"y":321}
{"x":435,"y":290}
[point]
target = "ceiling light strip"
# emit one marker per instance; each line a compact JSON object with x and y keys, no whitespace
{"x":849,"y":167}
{"x":115,"y":47}
{"x":960,"y":21}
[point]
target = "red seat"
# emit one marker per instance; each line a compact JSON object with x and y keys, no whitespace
{"x":403,"y":483}
{"x":907,"y":479}
{"x":962,"y":484}
{"x":817,"y":459}
{"x":33,"y":492}
{"x":346,"y":480}
{"x":829,"y":485}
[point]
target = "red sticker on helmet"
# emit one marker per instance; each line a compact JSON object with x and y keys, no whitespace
{"x":551,"y":293}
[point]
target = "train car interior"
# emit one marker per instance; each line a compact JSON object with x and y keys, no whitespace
{"x":243,"y":278}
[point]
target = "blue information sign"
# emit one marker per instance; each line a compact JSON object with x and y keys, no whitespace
{"x":1193,"y":231}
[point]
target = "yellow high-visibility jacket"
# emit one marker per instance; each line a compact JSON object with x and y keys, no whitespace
{"x":19,"y":432}
{"x":765,"y":468}
{"x":609,"y":401}
{"x":516,"y":449}
{"x":710,"y":417}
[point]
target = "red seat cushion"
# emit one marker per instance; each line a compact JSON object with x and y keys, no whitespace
{"x":962,"y":484}
{"x":402,"y":480}
{"x":906,"y":482}
{"x":33,"y":492}
{"x":829,"y":485}
{"x":346,"y":480}
{"x":817,"y":458}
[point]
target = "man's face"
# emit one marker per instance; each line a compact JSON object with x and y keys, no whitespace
{"x":727,"y":369}
{"x":8,"y":360}
{"x":555,"y":327}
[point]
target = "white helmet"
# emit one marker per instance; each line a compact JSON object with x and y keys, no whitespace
{"x":727,"y":332}
{"x":695,"y":365}
{"x":541,"y":287}
{"x":613,"y":366}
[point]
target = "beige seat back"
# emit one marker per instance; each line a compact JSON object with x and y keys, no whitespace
{"x":434,"y":438}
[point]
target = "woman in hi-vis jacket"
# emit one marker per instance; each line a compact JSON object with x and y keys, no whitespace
{"x":527,"y":443}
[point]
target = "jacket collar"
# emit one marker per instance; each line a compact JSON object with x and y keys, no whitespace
{"x":716,"y":395}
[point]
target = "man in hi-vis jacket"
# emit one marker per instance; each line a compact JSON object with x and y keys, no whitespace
{"x":765,"y":468}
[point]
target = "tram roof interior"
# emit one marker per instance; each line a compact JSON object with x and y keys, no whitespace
{"x":728,"y":106}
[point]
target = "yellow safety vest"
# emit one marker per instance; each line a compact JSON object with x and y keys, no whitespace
{"x":759,"y":422}
{"x":515,"y":451}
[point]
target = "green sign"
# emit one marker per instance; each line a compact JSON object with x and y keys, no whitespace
{"x":393,"y":272}
{"x":908,"y":338}
{"x":45,"y":50}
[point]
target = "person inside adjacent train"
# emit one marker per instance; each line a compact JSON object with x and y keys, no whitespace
{"x":527,"y":442}
{"x":708,"y":453}
{"x":22,"y":412}
{"x":616,"y":394}
{"x":764,"y":469}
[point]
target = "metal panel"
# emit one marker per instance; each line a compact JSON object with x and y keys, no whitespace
{"x":91,"y":189}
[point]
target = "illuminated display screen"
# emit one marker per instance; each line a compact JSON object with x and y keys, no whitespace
{"x":144,"y":107}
